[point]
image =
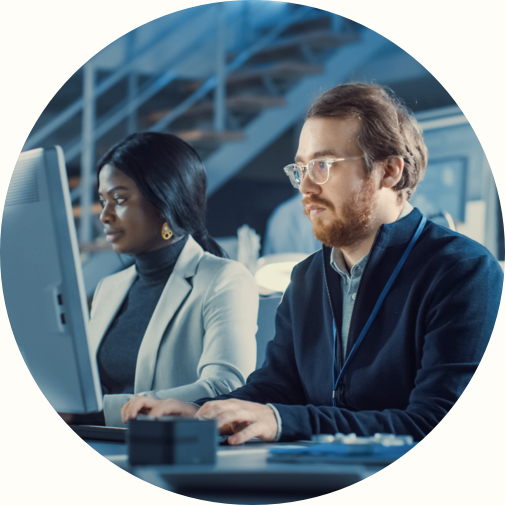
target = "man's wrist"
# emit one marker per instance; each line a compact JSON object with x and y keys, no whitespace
{"x":279,"y":422}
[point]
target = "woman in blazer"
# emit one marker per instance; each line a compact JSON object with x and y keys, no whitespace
{"x":181,"y":322}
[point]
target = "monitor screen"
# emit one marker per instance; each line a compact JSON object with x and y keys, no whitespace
{"x":43,"y":285}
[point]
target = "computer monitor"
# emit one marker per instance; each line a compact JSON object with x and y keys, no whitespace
{"x":43,"y":284}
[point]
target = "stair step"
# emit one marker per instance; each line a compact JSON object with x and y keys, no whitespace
{"x":320,"y":39}
{"x":241,"y":103}
{"x":279,"y":70}
{"x":210,"y":138}
{"x":282,"y":69}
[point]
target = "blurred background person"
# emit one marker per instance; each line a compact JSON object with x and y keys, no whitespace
{"x":289,"y":230}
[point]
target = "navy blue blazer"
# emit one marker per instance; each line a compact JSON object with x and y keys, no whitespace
{"x":418,"y":355}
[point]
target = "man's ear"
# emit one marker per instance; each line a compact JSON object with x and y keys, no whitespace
{"x":392,"y":170}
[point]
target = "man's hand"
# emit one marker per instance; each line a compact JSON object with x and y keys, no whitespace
{"x":244,"y":419}
{"x":156,"y":408}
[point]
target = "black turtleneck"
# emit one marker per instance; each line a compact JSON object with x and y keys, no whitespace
{"x":117,"y":355}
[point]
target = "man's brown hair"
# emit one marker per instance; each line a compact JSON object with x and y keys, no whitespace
{"x":388,"y":127}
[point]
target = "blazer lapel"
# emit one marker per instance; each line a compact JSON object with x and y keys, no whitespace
{"x":175,"y":292}
{"x":111,"y":298}
{"x":387,"y":250}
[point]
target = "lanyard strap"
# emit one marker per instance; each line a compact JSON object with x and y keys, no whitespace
{"x":375,"y":310}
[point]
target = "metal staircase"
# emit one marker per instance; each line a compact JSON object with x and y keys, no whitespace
{"x":229,"y":100}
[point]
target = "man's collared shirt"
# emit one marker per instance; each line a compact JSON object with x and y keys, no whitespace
{"x":350,"y":282}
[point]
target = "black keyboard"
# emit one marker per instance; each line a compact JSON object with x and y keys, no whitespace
{"x":100,"y":433}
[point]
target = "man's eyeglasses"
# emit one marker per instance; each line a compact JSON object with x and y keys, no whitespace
{"x":318,"y":169}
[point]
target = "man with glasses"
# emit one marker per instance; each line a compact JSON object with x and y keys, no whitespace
{"x":382,"y":329}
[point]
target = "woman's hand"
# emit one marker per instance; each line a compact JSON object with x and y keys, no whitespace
{"x":156,"y":408}
{"x":136,"y":406}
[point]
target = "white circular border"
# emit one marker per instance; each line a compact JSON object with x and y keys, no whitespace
{"x":44,"y":43}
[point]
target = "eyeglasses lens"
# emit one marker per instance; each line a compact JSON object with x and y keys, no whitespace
{"x":318,"y":170}
{"x":294,"y":174}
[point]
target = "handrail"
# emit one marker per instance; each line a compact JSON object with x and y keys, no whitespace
{"x":35,"y":139}
{"x":123,"y":108}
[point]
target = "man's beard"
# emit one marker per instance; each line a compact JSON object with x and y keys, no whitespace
{"x":354,"y":222}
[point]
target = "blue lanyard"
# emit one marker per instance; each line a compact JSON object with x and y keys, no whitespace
{"x":375,"y":310}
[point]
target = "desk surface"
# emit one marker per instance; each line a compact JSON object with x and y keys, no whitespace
{"x":242,"y":474}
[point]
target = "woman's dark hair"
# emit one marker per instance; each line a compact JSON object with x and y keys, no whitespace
{"x":388,"y":127}
{"x":171,"y":176}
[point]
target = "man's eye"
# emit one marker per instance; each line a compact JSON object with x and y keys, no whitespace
{"x":119,"y":201}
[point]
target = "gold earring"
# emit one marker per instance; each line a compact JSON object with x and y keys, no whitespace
{"x":166,"y":232}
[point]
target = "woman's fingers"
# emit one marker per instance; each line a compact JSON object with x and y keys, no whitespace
{"x":173,"y":407}
{"x":156,"y":408}
{"x":131,"y":409}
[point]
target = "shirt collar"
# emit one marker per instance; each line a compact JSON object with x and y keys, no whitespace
{"x":407,"y":209}
{"x":337,"y":261}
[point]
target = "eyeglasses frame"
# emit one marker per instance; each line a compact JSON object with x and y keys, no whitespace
{"x":305,"y":168}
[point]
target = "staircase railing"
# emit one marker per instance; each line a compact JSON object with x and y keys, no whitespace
{"x":35,"y":139}
{"x":123,"y":109}
{"x":237,"y":62}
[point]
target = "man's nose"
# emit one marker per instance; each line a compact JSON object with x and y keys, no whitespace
{"x":308,"y":186}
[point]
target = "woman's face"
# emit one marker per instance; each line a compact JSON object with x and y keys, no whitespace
{"x":131,"y":224}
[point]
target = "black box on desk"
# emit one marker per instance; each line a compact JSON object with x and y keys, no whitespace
{"x":171,"y":440}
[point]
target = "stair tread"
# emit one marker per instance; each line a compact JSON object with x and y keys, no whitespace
{"x":286,"y":68}
{"x":318,"y":38}
{"x":240,"y":102}
{"x":210,"y":135}
{"x":276,"y":69}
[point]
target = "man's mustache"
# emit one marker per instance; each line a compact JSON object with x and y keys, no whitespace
{"x":316,"y":200}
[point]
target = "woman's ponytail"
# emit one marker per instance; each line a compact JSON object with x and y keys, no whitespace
{"x":209,"y":244}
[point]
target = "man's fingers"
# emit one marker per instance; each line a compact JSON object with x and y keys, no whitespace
{"x":236,"y":427}
{"x":230,"y":429}
{"x":224,"y":417}
{"x":212,"y":410}
{"x":227,"y":430}
{"x":251,"y":431}
{"x":249,"y":419}
{"x":229,"y":418}
{"x":207,"y":409}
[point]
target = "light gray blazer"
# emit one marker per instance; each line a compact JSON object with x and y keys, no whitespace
{"x":200,"y":341}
